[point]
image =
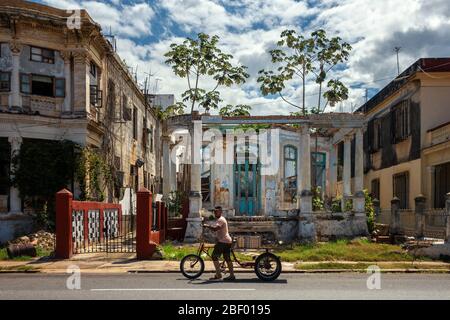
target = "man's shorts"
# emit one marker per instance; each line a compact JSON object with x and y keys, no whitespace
{"x":222,"y":248}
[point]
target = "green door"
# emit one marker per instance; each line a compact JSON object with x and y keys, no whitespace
{"x":246,"y":182}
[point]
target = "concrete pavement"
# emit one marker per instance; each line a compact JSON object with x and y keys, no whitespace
{"x":162,"y":286}
{"x":126,"y":262}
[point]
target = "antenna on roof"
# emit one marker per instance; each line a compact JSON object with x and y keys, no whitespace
{"x":111,"y":39}
{"x":397,"y":50}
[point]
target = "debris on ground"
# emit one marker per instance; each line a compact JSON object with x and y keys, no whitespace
{"x":42,"y":239}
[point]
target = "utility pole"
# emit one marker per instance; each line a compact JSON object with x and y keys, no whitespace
{"x":397,"y":50}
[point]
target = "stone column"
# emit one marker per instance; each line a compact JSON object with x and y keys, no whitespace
{"x":420,"y":215}
{"x":346,"y":176}
{"x":67,"y":106}
{"x":14,"y":198}
{"x":165,"y":139}
{"x":306,"y":225}
{"x":395,"y":217}
{"x":16,"y":100}
{"x":358,"y":202}
{"x":194,"y":221}
{"x":304,"y":187}
{"x":81,"y":83}
{"x":333,"y":170}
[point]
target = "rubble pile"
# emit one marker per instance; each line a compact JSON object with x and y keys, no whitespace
{"x":41,"y":239}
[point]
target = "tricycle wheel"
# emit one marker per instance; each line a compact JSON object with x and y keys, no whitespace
{"x":192,"y":266}
{"x":267,"y":266}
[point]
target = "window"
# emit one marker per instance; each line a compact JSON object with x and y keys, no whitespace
{"x":95,"y":96}
{"x":135,"y":124}
{"x":340,"y":161}
{"x":401,"y":189}
{"x":42,"y":85}
{"x":401,"y":121}
{"x":60,"y":87}
{"x":150,"y":132}
{"x":376,"y":143}
{"x":318,"y":160}
{"x":290,"y":174}
{"x":441,"y":184}
{"x":375,"y":189}
{"x":93,"y":69}
{"x":5,"y":81}
{"x":42,"y":55}
{"x":126,"y":112}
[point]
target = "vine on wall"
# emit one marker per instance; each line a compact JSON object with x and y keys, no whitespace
{"x":43,"y":167}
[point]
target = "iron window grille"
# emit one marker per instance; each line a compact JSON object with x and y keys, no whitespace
{"x":401,"y":188}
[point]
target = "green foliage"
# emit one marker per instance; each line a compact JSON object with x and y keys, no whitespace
{"x":303,"y":58}
{"x":175,"y":203}
{"x":201,"y":57}
{"x":370,"y":211}
{"x":41,"y":168}
{"x":92,"y":173}
{"x":235,"y":111}
{"x":348,"y":205}
{"x":336,"y":205}
{"x":317,"y":202}
{"x":172,"y":110}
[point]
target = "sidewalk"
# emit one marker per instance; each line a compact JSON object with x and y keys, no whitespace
{"x":123,"y":263}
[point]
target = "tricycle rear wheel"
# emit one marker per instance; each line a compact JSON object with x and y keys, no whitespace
{"x":267,"y":266}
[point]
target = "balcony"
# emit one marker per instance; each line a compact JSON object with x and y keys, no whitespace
{"x":439,"y":134}
{"x":47,"y":106}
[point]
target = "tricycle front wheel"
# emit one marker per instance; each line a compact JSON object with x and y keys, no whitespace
{"x":192,"y":266}
{"x":267,"y":266}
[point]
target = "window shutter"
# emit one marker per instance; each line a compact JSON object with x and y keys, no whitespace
{"x":370,"y":127}
{"x":60,"y":87}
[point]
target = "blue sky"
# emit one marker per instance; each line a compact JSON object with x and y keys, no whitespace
{"x":249,"y":28}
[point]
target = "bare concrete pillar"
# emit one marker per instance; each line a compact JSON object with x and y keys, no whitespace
{"x":67,"y":106}
{"x":305,"y":171}
{"x":333,"y":170}
{"x":395,"y":216}
{"x":165,"y":139}
{"x":420,"y":215}
{"x":358,"y":202}
{"x":16,"y":101}
{"x":14,"y":197}
{"x":194,"y":221}
{"x":81,"y":83}
{"x":346,"y":176}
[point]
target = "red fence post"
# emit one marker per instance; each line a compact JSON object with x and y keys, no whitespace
{"x":144,"y":247}
{"x":64,"y":244}
{"x":166,"y":222}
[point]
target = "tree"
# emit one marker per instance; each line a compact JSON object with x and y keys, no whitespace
{"x":235,"y":111}
{"x":199,"y":58}
{"x":300,"y":57}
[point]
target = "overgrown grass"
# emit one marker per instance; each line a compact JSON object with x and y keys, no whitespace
{"x":344,"y":250}
{"x":341,"y":250}
{"x":39,"y":253}
{"x":363,"y":266}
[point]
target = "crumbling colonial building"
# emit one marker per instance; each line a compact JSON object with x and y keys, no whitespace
{"x":65,"y":81}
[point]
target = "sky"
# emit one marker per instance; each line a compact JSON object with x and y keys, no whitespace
{"x":248,"y":29}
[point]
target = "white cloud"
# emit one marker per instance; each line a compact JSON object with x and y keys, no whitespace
{"x":249,"y":28}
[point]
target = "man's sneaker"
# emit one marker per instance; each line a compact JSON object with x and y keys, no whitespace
{"x":229,"y":278}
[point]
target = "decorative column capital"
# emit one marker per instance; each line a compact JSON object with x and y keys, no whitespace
{"x":304,"y":129}
{"x":65,"y":55}
{"x":15,"y":47}
{"x":348,"y":137}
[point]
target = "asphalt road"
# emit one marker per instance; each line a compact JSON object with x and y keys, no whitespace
{"x":173,"y":286}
